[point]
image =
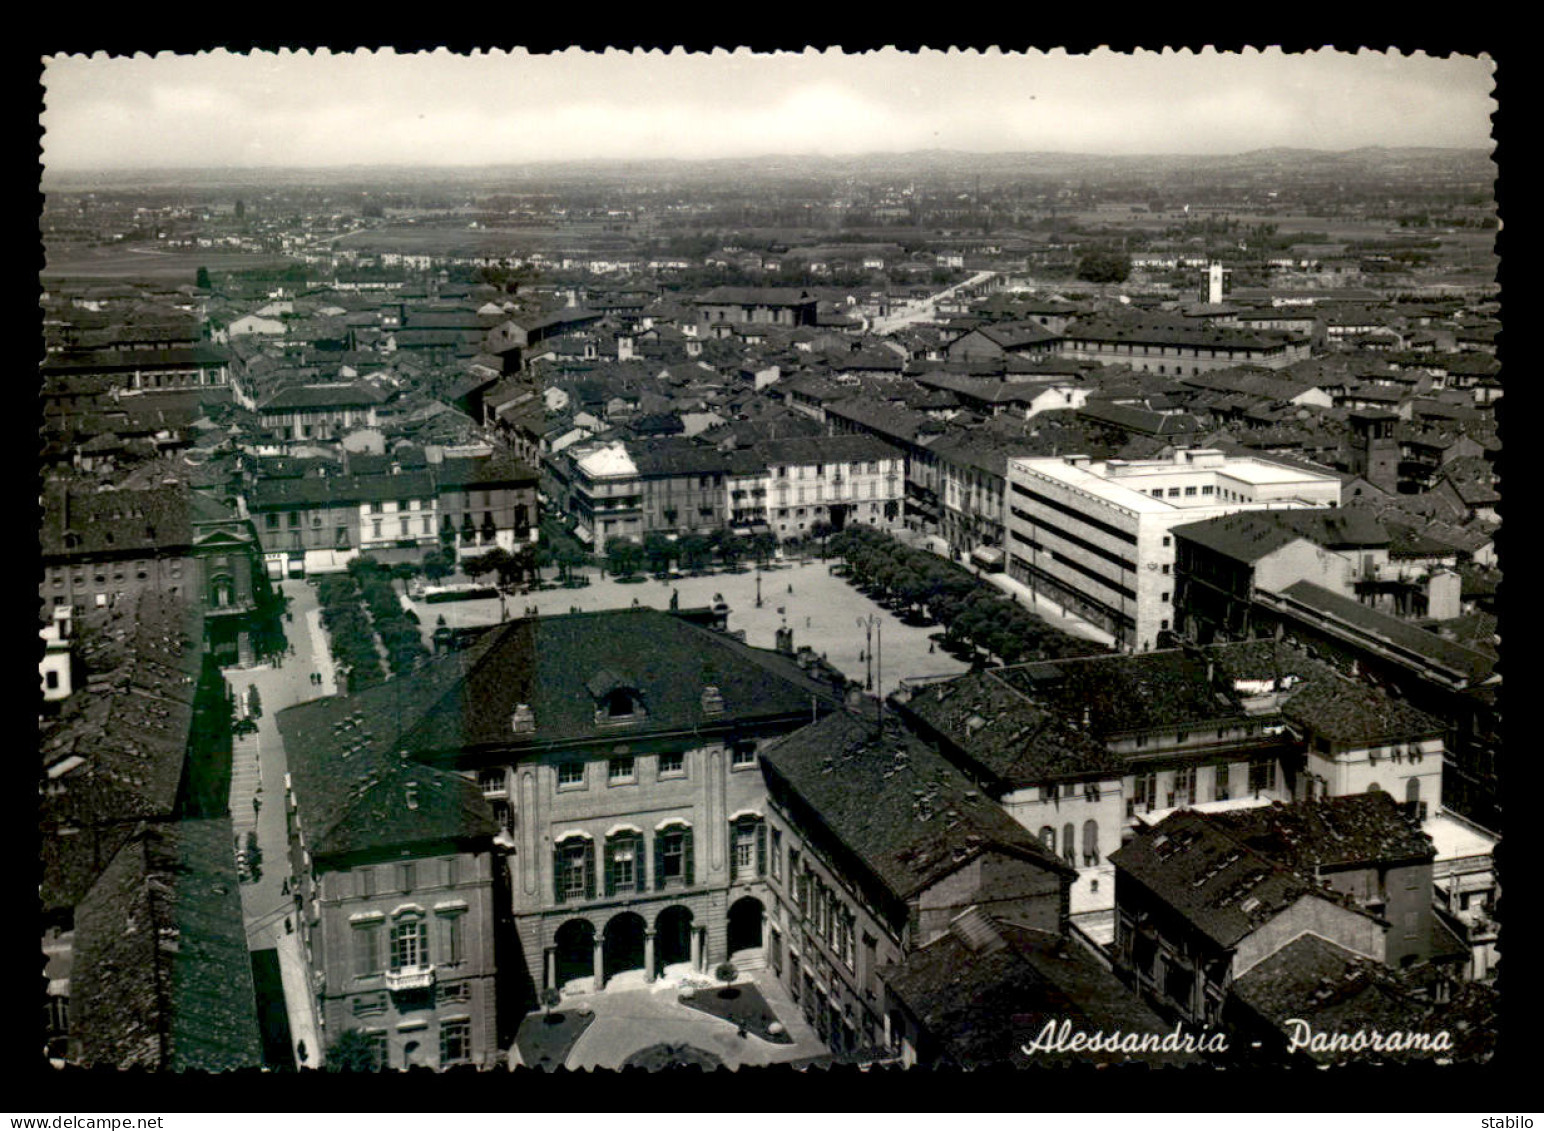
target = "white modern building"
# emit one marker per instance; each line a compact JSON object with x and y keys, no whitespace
{"x":1095,"y":535}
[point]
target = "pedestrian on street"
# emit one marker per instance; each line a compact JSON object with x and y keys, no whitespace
{"x":285,"y":889}
{"x":289,"y":927}
{"x":257,"y":803}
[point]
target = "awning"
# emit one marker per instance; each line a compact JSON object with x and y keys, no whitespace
{"x":582,"y":533}
{"x":987,"y":555}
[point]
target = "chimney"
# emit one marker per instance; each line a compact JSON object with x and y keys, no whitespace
{"x":523,"y":721}
{"x":712,"y":701}
{"x":412,"y":795}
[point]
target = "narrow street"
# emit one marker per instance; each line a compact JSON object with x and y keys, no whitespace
{"x":257,"y":800}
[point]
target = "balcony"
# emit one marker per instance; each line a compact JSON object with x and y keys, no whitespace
{"x":410,"y":978}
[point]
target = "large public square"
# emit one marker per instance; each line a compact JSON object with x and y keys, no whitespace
{"x":823,"y":611}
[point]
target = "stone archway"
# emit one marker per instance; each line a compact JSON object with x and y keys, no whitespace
{"x":745,"y":919}
{"x":623,"y":944}
{"x":574,"y":952}
{"x":672,"y":937}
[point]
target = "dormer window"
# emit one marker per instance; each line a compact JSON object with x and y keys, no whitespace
{"x":620,"y":704}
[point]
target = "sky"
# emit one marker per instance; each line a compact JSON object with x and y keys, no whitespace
{"x":439,"y":109}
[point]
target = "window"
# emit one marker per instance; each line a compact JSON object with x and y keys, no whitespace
{"x":570,"y":775}
{"x":455,"y":1041}
{"x":450,"y":939}
{"x":294,"y":519}
{"x":1220,"y":782}
{"x":777,"y":854}
{"x":574,"y":871}
{"x":1184,"y":791}
{"x":748,"y":839}
{"x":1069,"y":845}
{"x":271,"y":521}
{"x":451,"y":869}
{"x":452,"y":992}
{"x":1166,"y":568}
{"x":1173,"y":492}
{"x":1144,"y":796}
{"x":621,"y":770}
{"x":1166,"y":541}
{"x":1206,"y":490}
{"x":624,"y":864}
{"x":672,"y":764}
{"x":673,"y":858}
{"x":1190,"y":492}
{"x":493,"y":783}
{"x":367,"y":948}
{"x":409,"y":943}
{"x":367,"y":882}
{"x":1090,"y":843}
{"x":1262,"y":775}
{"x":744,"y":753}
{"x":406,"y":875}
{"x":1048,"y":838}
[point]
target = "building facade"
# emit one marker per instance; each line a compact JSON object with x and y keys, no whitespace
{"x":1097,"y":535}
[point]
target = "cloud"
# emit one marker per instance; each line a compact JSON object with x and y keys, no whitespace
{"x":434,"y":109}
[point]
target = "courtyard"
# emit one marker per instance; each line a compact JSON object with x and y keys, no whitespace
{"x":631,"y":1015}
{"x":822,"y":610}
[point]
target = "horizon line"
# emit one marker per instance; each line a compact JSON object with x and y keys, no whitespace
{"x":796,"y":156}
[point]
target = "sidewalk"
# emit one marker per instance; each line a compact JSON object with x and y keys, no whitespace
{"x":1048,"y":610}
{"x":257,"y":773}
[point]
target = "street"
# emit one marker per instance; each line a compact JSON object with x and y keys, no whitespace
{"x":257,"y":800}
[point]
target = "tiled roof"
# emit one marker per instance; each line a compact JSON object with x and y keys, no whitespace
{"x":1017,"y":741}
{"x":1155,"y":330}
{"x":85,"y":524}
{"x":321,"y":396}
{"x":162,"y":978}
{"x":899,"y":805}
{"x":1358,"y":829}
{"x":984,"y":1004}
{"x":755,"y":296}
{"x":1355,"y":714}
{"x":1391,"y":630}
{"x":1215,"y":882}
{"x":1128,"y":692}
{"x":1335,"y":991}
{"x":825,"y":449}
{"x":467,"y":698}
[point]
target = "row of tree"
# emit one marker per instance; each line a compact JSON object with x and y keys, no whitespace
{"x":658,"y":553}
{"x":971,"y":611}
{"x":396,"y":626}
{"x":349,"y":630}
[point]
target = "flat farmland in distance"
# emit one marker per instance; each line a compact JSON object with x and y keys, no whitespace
{"x":447,"y":240}
{"x":144,"y":261}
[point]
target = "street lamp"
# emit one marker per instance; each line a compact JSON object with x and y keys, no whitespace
{"x":868,"y":624}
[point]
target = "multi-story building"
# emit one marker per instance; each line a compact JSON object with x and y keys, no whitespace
{"x":317,"y":524}
{"x":319,"y":412}
{"x":184,"y":367}
{"x":771,"y":306}
{"x":1082,"y":751}
{"x":1197,"y":909}
{"x":104,"y":547}
{"x":849,"y":480}
{"x":1361,"y":845}
{"x":877,"y":844}
{"x":395,"y":891}
{"x":1158,"y":345}
{"x":1097,"y":534}
{"x":619,"y":754}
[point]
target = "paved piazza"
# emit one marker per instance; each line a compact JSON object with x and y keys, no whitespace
{"x":821,"y":609}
